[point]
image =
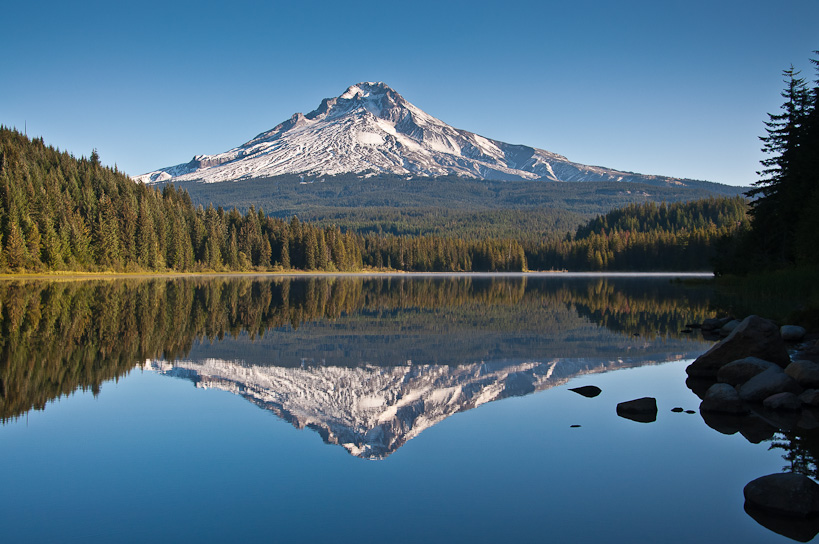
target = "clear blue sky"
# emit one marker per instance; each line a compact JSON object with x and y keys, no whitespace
{"x":657,"y":87}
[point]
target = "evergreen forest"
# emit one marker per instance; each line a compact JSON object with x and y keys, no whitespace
{"x":60,"y":213}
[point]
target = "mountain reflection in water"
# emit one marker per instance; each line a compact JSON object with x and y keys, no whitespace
{"x":372,"y":411}
{"x":367,"y":362}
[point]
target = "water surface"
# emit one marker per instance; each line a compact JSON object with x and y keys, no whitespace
{"x":354,"y":409}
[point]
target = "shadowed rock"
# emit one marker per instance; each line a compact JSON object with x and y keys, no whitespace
{"x":754,"y":337}
{"x":806,"y":373}
{"x":588,"y":391}
{"x":810,"y":397}
{"x":740,"y":371}
{"x":723,"y":398}
{"x":787,"y":494}
{"x":792,"y":333}
{"x":643,"y":410}
{"x":699,"y":386}
{"x":715,"y":323}
{"x":768,"y":383}
{"x":782,"y":401}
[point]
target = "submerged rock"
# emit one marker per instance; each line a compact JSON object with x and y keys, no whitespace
{"x":754,"y":337}
{"x":787,"y":494}
{"x":723,"y":398}
{"x":643,"y":410}
{"x":588,"y":391}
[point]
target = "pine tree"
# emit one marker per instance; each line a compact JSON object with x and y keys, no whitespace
{"x":780,"y":193}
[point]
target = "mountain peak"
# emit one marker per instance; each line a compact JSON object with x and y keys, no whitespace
{"x":371,"y":128}
{"x":367,"y":89}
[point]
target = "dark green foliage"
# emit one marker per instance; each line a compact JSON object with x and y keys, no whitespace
{"x":647,"y":237}
{"x":785,"y":227}
{"x":445,"y":206}
{"x":61,"y":213}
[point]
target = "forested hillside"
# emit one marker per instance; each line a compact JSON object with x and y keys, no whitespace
{"x":442,"y":206}
{"x":62,"y":213}
{"x":679,"y":236}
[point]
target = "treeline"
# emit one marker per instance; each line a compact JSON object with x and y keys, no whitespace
{"x":642,"y":237}
{"x":62,"y":213}
{"x":57,"y":336}
{"x":785,"y":208}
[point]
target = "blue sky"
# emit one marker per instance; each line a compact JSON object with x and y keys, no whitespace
{"x":657,"y":87}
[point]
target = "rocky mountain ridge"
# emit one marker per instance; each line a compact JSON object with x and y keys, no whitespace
{"x":371,"y":129}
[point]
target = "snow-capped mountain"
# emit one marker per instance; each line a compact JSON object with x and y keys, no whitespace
{"x":370,"y":128}
{"x":370,"y":410}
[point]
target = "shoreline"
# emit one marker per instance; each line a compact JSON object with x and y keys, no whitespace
{"x":361,"y":273}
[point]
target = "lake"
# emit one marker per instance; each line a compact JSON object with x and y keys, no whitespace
{"x":368,"y":409}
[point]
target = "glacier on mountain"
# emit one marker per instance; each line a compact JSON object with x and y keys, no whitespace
{"x":370,"y":128}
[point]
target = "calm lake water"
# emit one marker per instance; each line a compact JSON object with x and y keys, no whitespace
{"x":351,"y":409}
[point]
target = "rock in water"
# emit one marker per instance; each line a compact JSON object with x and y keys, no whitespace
{"x":782,"y":401}
{"x":768,"y":383}
{"x":786,"y":494}
{"x":806,"y":373}
{"x":724,"y":399}
{"x":740,"y":371}
{"x":643,"y":410}
{"x":588,"y":391}
{"x":810,"y":397}
{"x":754,"y":337}
{"x":792,"y":333}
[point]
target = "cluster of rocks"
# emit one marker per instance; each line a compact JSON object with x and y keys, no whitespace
{"x":749,"y":384}
{"x":752,"y":369}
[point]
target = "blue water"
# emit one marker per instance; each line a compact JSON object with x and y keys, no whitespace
{"x":152,"y":458}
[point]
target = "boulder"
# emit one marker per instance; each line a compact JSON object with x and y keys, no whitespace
{"x":723,"y":398}
{"x":643,"y":410}
{"x":754,"y":337}
{"x":792,"y":333}
{"x":740,"y":371}
{"x":768,"y":383}
{"x":729,"y":327}
{"x":787,"y":494}
{"x":753,"y":428}
{"x":810,"y":397}
{"x":699,"y":386}
{"x":714,"y":323}
{"x":782,"y":401}
{"x":588,"y":391}
{"x":806,"y":373}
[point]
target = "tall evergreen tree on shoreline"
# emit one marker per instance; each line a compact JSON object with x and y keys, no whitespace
{"x":784,"y":227}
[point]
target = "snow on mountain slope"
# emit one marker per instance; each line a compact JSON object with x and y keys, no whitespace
{"x":372,"y":128}
{"x":372,"y":411}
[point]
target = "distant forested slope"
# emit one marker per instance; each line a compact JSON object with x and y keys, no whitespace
{"x":58,"y":212}
{"x":443,"y":206}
